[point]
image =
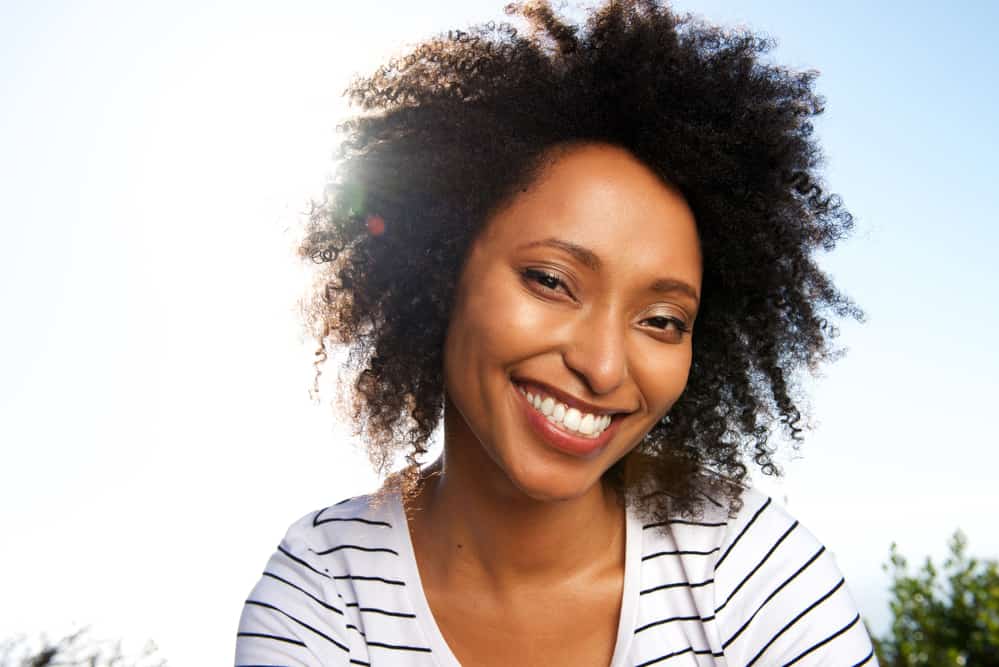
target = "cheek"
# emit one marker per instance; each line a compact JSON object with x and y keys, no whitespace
{"x":663,"y":382}
{"x":497,"y":322}
{"x":476,"y":340}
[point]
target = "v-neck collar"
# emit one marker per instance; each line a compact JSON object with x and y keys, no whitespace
{"x":442,"y":653}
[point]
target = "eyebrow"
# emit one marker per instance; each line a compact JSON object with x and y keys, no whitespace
{"x":590,"y":260}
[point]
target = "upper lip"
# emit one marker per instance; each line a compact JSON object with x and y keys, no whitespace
{"x":568,"y":399}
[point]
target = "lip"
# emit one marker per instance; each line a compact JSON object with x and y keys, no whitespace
{"x":570,"y":401}
{"x":559,"y":439}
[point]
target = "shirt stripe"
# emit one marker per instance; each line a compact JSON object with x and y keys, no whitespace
{"x":752,"y":589}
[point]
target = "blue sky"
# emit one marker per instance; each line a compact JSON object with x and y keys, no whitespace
{"x":157,"y":432}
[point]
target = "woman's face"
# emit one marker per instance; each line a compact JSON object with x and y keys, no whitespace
{"x":577,"y":292}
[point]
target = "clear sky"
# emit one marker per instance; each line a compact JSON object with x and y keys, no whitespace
{"x":157,"y":432}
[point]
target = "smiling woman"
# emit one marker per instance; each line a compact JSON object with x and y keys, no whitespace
{"x":555,"y":298}
{"x":588,"y":255}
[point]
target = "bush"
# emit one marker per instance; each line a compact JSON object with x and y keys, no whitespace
{"x":943,"y":618}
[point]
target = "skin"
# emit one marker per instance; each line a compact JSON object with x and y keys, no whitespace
{"x":519,"y":545}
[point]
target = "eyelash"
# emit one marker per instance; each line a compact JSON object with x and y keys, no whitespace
{"x":536,"y":275}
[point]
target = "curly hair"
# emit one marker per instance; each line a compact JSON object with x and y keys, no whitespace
{"x":453,"y":130}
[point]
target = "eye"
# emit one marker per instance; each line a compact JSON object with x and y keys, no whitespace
{"x":671,"y":334}
{"x":549,"y":281}
{"x":672,"y":328}
{"x":662,"y":322}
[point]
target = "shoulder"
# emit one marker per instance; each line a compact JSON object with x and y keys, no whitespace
{"x":358,"y":539}
{"x":717,"y":532}
{"x":779,"y":594}
{"x":304,"y":602}
{"x":763,"y":542}
{"x":331,"y":529}
{"x":762,"y":527}
{"x":765,"y":588}
{"x":759,"y":527}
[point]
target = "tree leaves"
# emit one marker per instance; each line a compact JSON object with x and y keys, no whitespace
{"x":943,"y":617}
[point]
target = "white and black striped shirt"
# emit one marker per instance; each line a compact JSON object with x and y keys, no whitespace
{"x":343,"y":589}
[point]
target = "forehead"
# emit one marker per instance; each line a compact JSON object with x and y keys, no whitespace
{"x":602,"y":198}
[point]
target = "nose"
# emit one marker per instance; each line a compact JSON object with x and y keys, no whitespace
{"x":596,"y":351}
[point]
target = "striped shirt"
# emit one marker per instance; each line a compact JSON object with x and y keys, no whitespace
{"x":758,"y":589}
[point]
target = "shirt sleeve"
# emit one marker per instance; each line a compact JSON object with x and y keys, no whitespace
{"x":780,"y":597}
{"x":293,"y":616}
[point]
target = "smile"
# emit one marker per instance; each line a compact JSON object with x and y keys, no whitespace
{"x":556,"y":433}
{"x":569,"y":419}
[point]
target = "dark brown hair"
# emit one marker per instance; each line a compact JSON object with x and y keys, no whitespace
{"x":450,"y":132}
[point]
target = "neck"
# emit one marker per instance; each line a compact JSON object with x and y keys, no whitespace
{"x":473,"y":527}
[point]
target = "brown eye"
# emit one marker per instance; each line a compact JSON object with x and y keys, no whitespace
{"x":549,"y":281}
{"x":671,"y":329}
{"x":663,"y":322}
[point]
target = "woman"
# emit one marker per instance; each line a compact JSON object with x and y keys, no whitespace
{"x":586,"y":253}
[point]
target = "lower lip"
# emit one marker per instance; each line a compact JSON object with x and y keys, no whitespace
{"x":561,"y":440}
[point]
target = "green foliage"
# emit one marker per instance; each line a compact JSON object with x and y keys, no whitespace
{"x":945,"y":617}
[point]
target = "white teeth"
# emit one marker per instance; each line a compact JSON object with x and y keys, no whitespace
{"x":547,"y":405}
{"x":568,"y":418}
{"x":572,"y":419}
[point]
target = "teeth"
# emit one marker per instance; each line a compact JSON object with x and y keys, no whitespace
{"x":572,"y":419}
{"x":548,"y":406}
{"x":568,"y":418}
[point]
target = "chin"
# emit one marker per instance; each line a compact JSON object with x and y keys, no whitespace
{"x":545,"y":484}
